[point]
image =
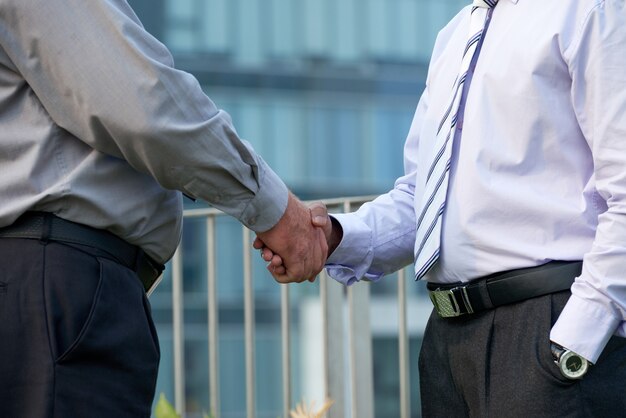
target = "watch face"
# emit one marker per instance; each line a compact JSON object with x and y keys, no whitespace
{"x":572,"y":365}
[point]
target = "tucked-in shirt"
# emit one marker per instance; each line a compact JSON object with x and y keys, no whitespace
{"x":98,"y":127}
{"x":539,"y":172}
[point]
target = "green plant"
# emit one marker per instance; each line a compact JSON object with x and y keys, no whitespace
{"x":164,"y":409}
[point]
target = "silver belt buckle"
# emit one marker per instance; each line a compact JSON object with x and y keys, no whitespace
{"x":446,"y":303}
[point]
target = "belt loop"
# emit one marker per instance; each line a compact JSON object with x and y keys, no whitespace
{"x":46,"y":229}
{"x":484,"y":294}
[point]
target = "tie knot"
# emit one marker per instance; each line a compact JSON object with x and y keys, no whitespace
{"x":485,"y":3}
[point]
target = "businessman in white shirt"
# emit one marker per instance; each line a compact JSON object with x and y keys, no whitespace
{"x":528,"y":278}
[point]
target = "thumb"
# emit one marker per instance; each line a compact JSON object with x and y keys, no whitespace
{"x":319,"y":214}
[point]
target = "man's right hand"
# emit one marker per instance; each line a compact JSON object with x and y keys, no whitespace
{"x":319,"y":217}
{"x":300,"y":246}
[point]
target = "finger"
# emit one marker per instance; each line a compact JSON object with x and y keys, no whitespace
{"x":267,"y":254}
{"x":258,"y":244}
{"x":283,"y":278}
{"x":276,"y":260}
{"x":319,"y":214}
{"x":278,"y":271}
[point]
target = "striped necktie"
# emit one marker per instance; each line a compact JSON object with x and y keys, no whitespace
{"x":434,"y":199}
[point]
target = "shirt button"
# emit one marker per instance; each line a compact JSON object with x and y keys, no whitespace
{"x":252,"y":220}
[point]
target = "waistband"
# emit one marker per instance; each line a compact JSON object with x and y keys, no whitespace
{"x":48,"y":227}
{"x":456,"y":299}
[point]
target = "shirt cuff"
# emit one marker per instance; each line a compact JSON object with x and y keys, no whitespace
{"x":350,"y":261}
{"x":584,"y":327}
{"x":269,"y":203}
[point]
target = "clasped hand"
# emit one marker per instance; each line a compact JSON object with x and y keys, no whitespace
{"x":296,"y":247}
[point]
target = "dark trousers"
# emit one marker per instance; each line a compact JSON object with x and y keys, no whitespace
{"x":76,"y":335}
{"x":498,"y":364}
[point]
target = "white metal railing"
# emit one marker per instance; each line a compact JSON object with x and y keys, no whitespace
{"x":333,"y":298}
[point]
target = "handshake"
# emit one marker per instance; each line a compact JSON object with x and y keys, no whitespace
{"x":297,"y":247}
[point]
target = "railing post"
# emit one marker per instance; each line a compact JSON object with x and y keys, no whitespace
{"x":178,"y":332}
{"x":286,"y":348}
{"x":212,"y":319}
{"x":248,"y":291}
{"x":361,"y":351}
{"x":403,"y":348}
{"x":331,"y":294}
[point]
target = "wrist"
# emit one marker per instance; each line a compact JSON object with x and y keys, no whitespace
{"x":336,"y":235}
{"x":571,"y":365}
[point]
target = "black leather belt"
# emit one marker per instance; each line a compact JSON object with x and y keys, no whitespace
{"x":499,"y":289}
{"x":46,"y":226}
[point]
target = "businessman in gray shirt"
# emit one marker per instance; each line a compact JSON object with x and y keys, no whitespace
{"x":99,"y":135}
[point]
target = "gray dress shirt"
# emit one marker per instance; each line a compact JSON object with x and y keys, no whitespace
{"x":97,"y":127}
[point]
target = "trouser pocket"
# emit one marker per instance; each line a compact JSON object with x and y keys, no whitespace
{"x":110,"y":366}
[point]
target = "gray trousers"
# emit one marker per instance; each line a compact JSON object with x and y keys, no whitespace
{"x":498,"y":364}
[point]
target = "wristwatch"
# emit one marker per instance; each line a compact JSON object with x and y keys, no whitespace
{"x":572,"y":365}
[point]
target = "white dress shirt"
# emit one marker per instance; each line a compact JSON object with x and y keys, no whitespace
{"x":97,"y":127}
{"x":539,"y":172}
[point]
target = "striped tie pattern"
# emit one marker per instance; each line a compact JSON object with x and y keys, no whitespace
{"x":434,"y":199}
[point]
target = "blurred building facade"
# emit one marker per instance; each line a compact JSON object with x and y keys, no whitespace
{"x":325,"y":91}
